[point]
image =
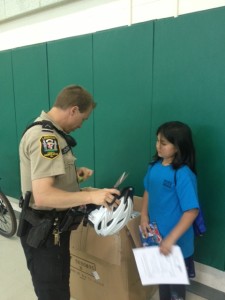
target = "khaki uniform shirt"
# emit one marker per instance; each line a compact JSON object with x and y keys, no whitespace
{"x":46,"y":154}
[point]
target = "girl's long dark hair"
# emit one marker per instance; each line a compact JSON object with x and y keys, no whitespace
{"x":180,"y":135}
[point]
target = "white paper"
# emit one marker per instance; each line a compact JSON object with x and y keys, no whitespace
{"x":156,"y":268}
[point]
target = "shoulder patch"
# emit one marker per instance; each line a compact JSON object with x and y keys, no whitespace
{"x":49,"y":146}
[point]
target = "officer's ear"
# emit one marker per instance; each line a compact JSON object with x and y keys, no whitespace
{"x":74,"y":110}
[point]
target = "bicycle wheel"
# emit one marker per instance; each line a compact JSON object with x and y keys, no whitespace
{"x":8,"y":224}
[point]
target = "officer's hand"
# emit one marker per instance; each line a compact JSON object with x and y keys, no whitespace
{"x":103,"y":196}
{"x":83,"y":174}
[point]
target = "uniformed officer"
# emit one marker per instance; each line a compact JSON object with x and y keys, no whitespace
{"x":47,"y":167}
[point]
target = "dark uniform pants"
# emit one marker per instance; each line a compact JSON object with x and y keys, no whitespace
{"x":49,"y":266}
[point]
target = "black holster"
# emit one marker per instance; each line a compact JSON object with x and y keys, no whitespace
{"x":72,"y":219}
{"x":36,"y":224}
{"x":42,"y":226}
{"x":23,"y":224}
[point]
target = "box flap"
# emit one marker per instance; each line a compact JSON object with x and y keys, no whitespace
{"x":133,"y":224}
{"x":133,"y":228}
{"x":137,"y":203}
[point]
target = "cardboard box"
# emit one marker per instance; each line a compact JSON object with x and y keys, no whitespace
{"x":104,"y":267}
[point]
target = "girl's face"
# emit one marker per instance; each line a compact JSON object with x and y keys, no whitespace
{"x":165,"y":149}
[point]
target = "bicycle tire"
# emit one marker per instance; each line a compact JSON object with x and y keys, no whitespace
{"x":8,"y":223}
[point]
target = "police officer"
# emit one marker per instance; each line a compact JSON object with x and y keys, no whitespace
{"x":48,"y":170}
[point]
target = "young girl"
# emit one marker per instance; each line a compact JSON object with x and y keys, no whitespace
{"x":170,"y":198}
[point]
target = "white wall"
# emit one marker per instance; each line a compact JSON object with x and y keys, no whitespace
{"x":87,"y":16}
{"x":14,"y":8}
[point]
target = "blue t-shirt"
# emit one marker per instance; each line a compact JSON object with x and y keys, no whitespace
{"x":171,"y":193}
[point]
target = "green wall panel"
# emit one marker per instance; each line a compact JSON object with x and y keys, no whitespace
{"x":189,"y":77}
{"x":123,"y":87}
{"x":70,"y":62}
{"x":30,"y":84}
{"x":9,"y":166}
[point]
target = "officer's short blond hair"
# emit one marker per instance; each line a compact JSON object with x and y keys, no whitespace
{"x":74,"y":95}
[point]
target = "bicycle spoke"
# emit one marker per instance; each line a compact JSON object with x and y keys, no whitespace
{"x":8,"y":224}
{"x":5,"y":223}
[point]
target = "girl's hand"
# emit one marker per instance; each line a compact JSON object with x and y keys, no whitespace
{"x":83,"y":174}
{"x":145,"y":228}
{"x":165,"y":246}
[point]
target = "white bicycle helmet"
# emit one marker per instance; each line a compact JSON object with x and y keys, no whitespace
{"x":108,"y":222}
